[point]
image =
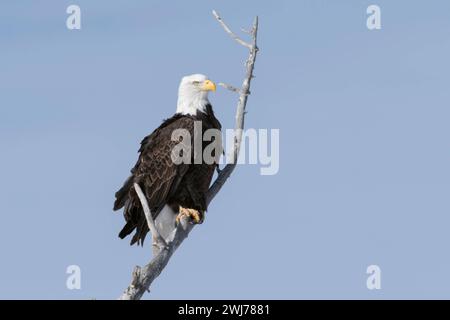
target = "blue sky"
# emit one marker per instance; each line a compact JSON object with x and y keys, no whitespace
{"x":364,"y":150}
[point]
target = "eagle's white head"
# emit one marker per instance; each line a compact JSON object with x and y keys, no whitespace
{"x":193,"y":94}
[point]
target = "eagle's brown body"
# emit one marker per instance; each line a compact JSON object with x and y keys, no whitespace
{"x":163,"y":181}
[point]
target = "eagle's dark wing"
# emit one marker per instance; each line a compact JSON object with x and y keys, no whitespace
{"x":156,"y":174}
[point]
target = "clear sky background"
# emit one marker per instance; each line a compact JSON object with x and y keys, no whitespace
{"x":364,"y":152}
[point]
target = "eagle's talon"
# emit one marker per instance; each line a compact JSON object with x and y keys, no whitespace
{"x":178,"y":219}
{"x":195,"y":216}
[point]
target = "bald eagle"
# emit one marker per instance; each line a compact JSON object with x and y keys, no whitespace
{"x":178,"y":188}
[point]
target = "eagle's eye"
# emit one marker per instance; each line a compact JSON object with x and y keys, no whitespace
{"x":196,"y":83}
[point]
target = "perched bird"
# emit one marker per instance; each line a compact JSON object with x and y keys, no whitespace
{"x":169,"y":186}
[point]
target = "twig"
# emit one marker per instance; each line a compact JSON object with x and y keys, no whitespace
{"x":231,"y":33}
{"x":158,"y":241}
{"x":230,"y":87}
{"x":143,"y":277}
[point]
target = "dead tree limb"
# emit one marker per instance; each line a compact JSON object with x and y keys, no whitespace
{"x":158,"y":242}
{"x":163,"y":249}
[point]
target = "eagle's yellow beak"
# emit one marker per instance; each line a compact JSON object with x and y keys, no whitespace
{"x":208,"y":85}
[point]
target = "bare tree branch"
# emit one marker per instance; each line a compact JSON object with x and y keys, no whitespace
{"x":158,"y":241}
{"x":142,"y":278}
{"x":231,"y":33}
{"x":240,"y":116}
{"x":230,"y":87}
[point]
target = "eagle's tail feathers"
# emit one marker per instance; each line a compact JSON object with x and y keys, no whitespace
{"x":122,"y":194}
{"x":141,"y":232}
{"x":127,"y":229}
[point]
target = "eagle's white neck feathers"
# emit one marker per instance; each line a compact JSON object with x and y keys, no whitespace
{"x":191,"y":98}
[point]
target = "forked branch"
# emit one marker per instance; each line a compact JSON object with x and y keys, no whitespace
{"x":163,"y":249}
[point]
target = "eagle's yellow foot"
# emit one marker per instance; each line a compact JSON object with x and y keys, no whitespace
{"x":195,"y":216}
